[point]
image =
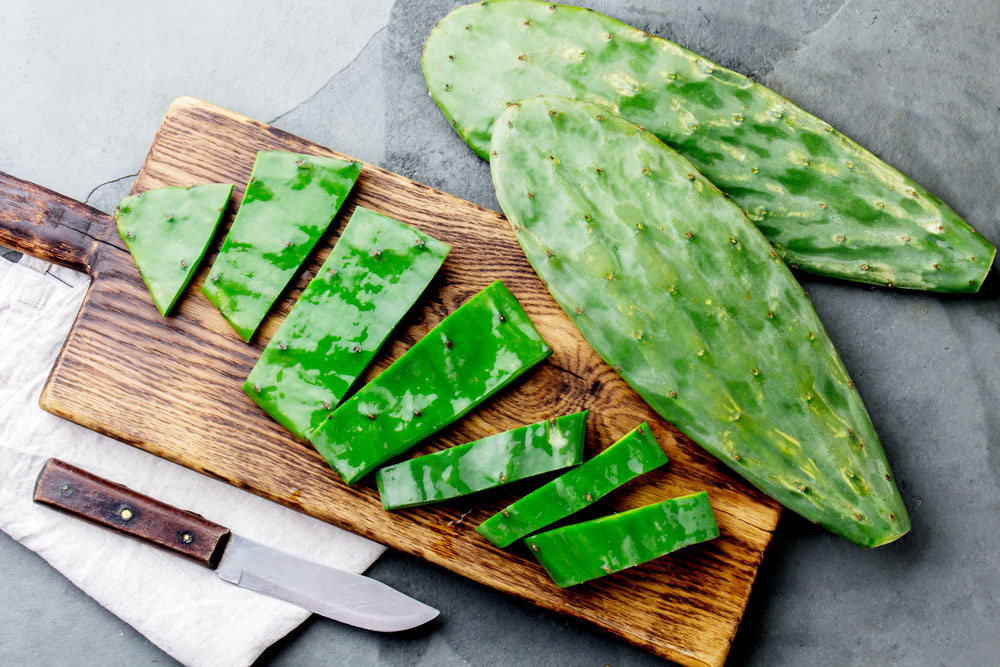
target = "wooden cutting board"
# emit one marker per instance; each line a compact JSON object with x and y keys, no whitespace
{"x":173,"y":387}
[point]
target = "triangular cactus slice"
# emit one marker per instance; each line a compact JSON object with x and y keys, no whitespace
{"x":675,"y":289}
{"x":374,"y":274}
{"x":828,"y":205}
{"x":289,"y":202}
{"x":168,"y":230}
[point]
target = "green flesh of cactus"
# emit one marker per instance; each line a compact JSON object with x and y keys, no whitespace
{"x":374,"y":274}
{"x":484,"y":464}
{"x":635,"y":454}
{"x":289,"y":202}
{"x":584,"y":551}
{"x":469,"y":356}
{"x":683,"y":296}
{"x":168,"y":230}
{"x":827,"y":205}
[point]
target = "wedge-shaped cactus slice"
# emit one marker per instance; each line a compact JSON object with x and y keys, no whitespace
{"x":473,"y":353}
{"x":374,"y":274}
{"x":168,"y":230}
{"x":484,"y":464}
{"x":289,"y":202}
{"x":827,"y":205}
{"x":679,"y":293}
{"x":635,"y":454}
{"x":584,"y":551}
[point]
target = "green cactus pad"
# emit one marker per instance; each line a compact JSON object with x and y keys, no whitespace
{"x":289,"y":202}
{"x":826,"y":204}
{"x":635,"y":454}
{"x":584,"y":551}
{"x":671,"y":284}
{"x":168,"y":230}
{"x":473,"y":353}
{"x":374,"y":274}
{"x":484,"y":464}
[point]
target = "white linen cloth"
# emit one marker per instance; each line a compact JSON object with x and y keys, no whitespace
{"x":181,"y":607}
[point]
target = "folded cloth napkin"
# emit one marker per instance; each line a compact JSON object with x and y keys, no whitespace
{"x":181,"y":607}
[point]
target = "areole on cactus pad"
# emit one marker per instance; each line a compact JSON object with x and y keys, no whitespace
{"x":828,"y":205}
{"x":673,"y":286}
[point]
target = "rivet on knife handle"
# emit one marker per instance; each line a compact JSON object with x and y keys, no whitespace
{"x":114,"y":506}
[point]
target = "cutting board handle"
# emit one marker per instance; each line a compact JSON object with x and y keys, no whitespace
{"x":41,"y":223}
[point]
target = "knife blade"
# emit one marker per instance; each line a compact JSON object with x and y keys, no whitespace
{"x":347,"y":597}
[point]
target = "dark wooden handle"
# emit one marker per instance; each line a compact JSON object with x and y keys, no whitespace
{"x":114,"y":506}
{"x":41,"y":223}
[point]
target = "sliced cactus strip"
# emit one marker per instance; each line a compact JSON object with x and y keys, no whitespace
{"x":290,"y":200}
{"x":635,"y":454}
{"x":484,"y":464}
{"x":827,"y":205}
{"x":683,"y":297}
{"x":584,"y":551}
{"x":469,"y":356}
{"x":374,"y":274}
{"x":168,"y":230}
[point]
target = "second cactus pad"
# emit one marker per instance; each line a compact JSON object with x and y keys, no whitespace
{"x":374,"y":274}
{"x":289,"y":202}
{"x":828,"y":205}
{"x":684,"y":298}
{"x":483,"y":464}
{"x":168,"y":230}
{"x":469,"y":356}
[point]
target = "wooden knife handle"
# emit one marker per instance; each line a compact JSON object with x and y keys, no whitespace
{"x":44,"y":224}
{"x":114,"y":506}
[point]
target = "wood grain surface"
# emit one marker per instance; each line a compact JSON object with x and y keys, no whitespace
{"x":173,"y":387}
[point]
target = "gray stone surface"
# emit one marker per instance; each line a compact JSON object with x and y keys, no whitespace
{"x":918,"y":83}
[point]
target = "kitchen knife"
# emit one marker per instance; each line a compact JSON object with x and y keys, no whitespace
{"x":343,"y":596}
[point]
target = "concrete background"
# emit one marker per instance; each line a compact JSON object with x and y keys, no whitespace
{"x":82,"y":91}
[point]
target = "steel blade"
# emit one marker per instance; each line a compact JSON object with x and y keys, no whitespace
{"x":343,"y":596}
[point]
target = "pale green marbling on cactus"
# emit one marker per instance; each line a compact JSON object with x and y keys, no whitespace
{"x":168,"y":230}
{"x":672,"y":286}
{"x":828,"y":205}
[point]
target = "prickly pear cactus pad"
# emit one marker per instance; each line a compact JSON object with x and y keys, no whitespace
{"x":289,"y":202}
{"x":473,"y":353}
{"x":635,"y":454}
{"x":675,"y":289}
{"x":584,"y":551}
{"x":484,"y":464}
{"x":167,"y":230}
{"x":826,"y":204}
{"x":372,"y":277}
